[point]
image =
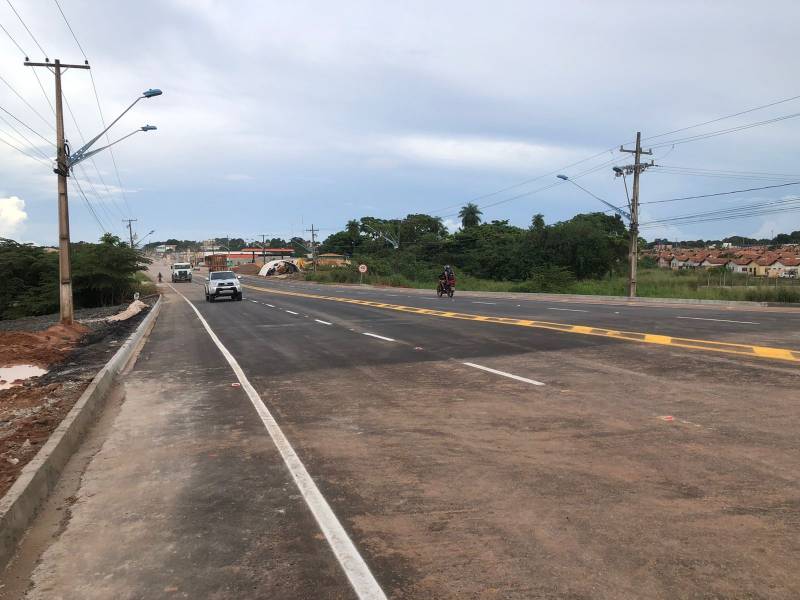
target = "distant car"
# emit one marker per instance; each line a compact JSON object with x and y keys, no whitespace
{"x":223,"y":283}
{"x":181,"y":272}
{"x":789,"y":275}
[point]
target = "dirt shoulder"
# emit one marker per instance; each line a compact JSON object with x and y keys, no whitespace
{"x":31,"y":411}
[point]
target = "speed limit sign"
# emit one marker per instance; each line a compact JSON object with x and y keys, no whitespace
{"x":362,"y":268}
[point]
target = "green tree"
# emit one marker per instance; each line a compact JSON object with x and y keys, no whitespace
{"x":470,"y":215}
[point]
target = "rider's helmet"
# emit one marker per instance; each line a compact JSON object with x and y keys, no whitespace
{"x":447,"y":267}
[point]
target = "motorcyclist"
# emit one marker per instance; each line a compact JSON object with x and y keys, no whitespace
{"x":159,"y":277}
{"x":447,"y":278}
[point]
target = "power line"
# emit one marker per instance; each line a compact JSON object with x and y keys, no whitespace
{"x":12,"y":39}
{"x":26,"y":140}
{"x":18,"y":149}
{"x":28,"y":127}
{"x":755,"y":189}
{"x":28,"y":104}
{"x":35,"y":41}
{"x":89,"y":206}
{"x":74,"y":37}
{"x":99,"y":108}
{"x":746,"y":210}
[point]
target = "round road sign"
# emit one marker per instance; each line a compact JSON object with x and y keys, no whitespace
{"x":362,"y":268}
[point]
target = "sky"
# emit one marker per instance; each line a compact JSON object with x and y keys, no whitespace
{"x":276,"y":116}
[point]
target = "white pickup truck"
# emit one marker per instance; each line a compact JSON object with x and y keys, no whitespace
{"x":181,"y":272}
{"x":223,"y":283}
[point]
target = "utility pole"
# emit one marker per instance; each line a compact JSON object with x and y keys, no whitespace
{"x":313,"y":246}
{"x":130,"y":228}
{"x":638,"y":167}
{"x":62,"y":170}
{"x":264,"y":247}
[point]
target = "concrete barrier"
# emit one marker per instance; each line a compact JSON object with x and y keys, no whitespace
{"x":38,"y":478}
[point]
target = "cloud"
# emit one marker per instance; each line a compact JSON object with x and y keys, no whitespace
{"x":238,"y":177}
{"x":12,"y":215}
{"x":478,"y":152}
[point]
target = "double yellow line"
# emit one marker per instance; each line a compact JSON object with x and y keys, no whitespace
{"x":630,"y":336}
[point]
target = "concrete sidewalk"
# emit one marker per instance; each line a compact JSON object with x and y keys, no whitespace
{"x":187,"y":496}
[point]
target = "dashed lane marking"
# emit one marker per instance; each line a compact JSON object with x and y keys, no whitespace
{"x":270,"y":305}
{"x":720,"y":320}
{"x":503,"y":373}
{"x":380,"y":337}
{"x":291,"y":312}
{"x":569,"y":309}
{"x":358,"y":573}
{"x":751,"y":350}
{"x":478,"y":302}
{"x":323,"y":322}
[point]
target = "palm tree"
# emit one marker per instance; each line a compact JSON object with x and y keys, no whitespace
{"x":470,"y":215}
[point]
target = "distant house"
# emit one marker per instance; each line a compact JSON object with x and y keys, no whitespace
{"x":665,"y":261}
{"x":677,"y":262}
{"x":744,"y":265}
{"x":764,"y":267}
{"x":785,"y":266}
{"x":715,"y":263}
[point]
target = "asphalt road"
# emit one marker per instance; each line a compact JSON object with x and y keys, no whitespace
{"x":462,"y":459}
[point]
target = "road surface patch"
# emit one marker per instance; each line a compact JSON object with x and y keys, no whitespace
{"x":503,"y":373}
{"x":751,"y":350}
{"x":358,"y":573}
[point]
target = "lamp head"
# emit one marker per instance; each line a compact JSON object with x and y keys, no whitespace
{"x":151,"y":93}
{"x":564,"y":177}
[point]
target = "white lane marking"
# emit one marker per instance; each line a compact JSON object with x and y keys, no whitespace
{"x":503,"y":373}
{"x":354,"y":566}
{"x":270,"y":305}
{"x":291,"y":312}
{"x":393,"y":295}
{"x":380,"y":337}
{"x":477,"y":302}
{"x":569,"y":309}
{"x":719,"y":320}
{"x":323,"y":322}
{"x":254,"y":301}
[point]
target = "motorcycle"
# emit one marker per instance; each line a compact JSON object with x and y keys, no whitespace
{"x":446,"y":287}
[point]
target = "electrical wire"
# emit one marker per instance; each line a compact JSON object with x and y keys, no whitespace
{"x":745,"y":210}
{"x":28,"y":127}
{"x":99,"y":107}
{"x":25,"y":139}
{"x":30,"y":33}
{"x":28,"y":104}
{"x":7,"y":143}
{"x":755,"y":189}
{"x":103,"y":229}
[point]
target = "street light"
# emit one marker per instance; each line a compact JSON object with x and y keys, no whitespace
{"x":81,"y":153}
{"x":616,"y":209}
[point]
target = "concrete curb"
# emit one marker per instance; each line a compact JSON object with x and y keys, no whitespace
{"x":38,"y":478}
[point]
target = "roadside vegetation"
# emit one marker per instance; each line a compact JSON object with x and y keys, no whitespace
{"x":103,"y":274}
{"x":584,"y":255}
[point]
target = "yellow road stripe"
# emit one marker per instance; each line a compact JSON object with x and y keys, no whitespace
{"x":783,"y":354}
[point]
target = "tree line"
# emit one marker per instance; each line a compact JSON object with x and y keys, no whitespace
{"x":102,"y":274}
{"x":588,"y":245}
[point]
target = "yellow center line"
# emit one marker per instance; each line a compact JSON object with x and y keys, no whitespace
{"x":783,"y":354}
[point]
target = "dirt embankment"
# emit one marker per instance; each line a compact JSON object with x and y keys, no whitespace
{"x":72,"y":355}
{"x":42,"y":348}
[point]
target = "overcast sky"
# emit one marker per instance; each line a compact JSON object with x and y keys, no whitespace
{"x":277,"y":115}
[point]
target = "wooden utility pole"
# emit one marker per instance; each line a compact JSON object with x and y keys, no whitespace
{"x":313,"y":246}
{"x":638,"y":167}
{"x":62,"y":170}
{"x":130,"y":228}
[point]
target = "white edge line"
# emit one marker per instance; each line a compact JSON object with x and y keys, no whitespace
{"x":291,"y":312}
{"x":323,"y":322}
{"x":352,"y":563}
{"x":503,"y":373}
{"x":380,"y":337}
{"x":719,"y":320}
